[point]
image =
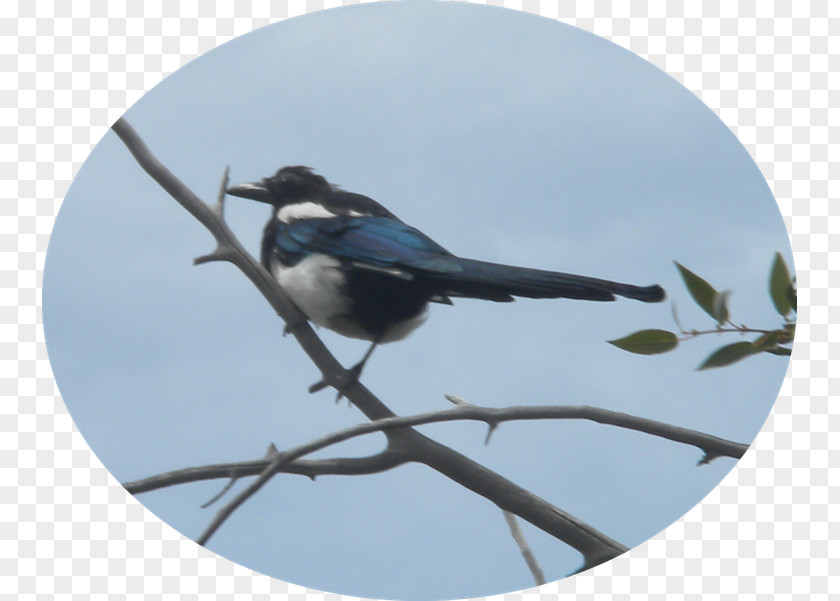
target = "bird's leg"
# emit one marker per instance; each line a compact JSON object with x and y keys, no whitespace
{"x":355,"y":372}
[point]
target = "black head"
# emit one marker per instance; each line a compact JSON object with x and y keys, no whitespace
{"x":289,"y":184}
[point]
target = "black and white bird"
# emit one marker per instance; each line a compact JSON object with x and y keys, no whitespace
{"x":352,"y":266}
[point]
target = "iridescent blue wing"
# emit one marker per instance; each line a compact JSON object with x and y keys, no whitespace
{"x":380,"y":243}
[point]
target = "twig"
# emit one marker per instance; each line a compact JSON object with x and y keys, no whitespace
{"x":277,"y":461}
{"x":350,"y":466}
{"x":524,"y":548}
{"x":219,"y":494}
{"x":688,"y":334}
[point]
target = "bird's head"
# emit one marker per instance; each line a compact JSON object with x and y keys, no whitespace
{"x":288,"y":185}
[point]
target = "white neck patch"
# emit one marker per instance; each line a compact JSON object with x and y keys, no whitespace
{"x":308,"y":210}
{"x":302,"y":210}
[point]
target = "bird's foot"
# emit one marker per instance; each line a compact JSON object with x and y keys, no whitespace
{"x":351,"y":377}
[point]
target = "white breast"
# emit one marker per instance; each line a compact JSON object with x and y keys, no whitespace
{"x":315,"y":286}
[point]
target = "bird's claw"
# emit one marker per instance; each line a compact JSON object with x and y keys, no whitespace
{"x":351,"y":377}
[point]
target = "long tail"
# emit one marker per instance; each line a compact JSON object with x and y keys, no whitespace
{"x":492,"y":281}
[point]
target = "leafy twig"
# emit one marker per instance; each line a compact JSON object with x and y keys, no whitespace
{"x":715,"y":304}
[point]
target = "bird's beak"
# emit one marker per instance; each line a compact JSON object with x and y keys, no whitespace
{"x":253,"y":190}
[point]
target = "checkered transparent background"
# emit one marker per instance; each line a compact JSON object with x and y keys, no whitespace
{"x":772,"y":72}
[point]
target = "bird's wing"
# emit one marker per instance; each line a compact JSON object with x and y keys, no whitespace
{"x":376,"y":243}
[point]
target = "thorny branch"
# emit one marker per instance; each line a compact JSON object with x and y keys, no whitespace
{"x":312,"y":468}
{"x":712,"y":446}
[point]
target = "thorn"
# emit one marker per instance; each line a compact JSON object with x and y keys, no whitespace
{"x":220,"y":254}
{"x":707,"y":458}
{"x":206,"y":258}
{"x":491,"y":427}
{"x":271,"y":452}
{"x":457,"y":401}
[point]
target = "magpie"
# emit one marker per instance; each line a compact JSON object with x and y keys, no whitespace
{"x":352,"y":266}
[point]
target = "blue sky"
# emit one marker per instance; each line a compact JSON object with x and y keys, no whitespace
{"x":505,"y":137}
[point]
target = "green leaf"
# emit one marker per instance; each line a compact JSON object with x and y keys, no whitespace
{"x":729,"y":354}
{"x":647,"y":342}
{"x":720,"y":306}
{"x":780,"y":285}
{"x":791,"y":294}
{"x":701,"y":291}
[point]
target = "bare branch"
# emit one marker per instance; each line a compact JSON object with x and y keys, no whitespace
{"x":711,"y":445}
{"x":350,"y":466}
{"x":524,"y":548}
